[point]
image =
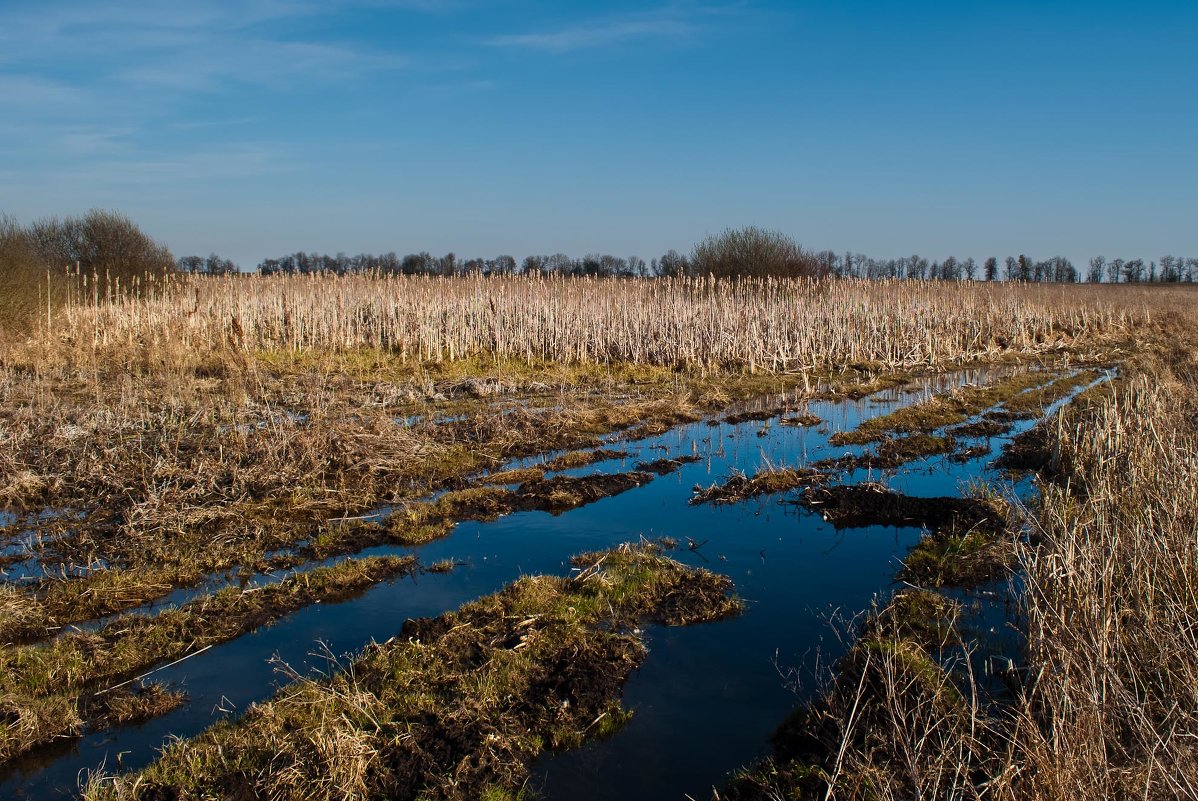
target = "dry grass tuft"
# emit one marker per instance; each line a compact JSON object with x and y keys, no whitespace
{"x":770,"y":481}
{"x":455,"y":707}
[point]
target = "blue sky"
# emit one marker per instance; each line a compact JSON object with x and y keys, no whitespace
{"x":519,"y":126}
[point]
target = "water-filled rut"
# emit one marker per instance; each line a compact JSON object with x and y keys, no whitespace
{"x":708,"y":696}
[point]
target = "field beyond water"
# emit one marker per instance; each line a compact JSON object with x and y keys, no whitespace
{"x":320,"y":537}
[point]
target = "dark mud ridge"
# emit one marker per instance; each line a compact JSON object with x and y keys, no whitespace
{"x":422,"y":522}
{"x":663,"y":467}
{"x":892,"y":452}
{"x":982,"y":428}
{"x":555,"y":495}
{"x":793,"y":418}
{"x":583,"y":458}
{"x":755,"y":415}
{"x":868,"y":504}
{"x":562,"y":493}
{"x":801,"y":420}
{"x":741,"y":487}
{"x":1031,"y":451}
{"x":1007,"y":416}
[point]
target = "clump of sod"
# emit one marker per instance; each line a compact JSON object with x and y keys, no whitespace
{"x":457,"y":706}
{"x":958,"y":559}
{"x":740,"y":487}
{"x":583,"y":458}
{"x":57,"y":689}
{"x":801,"y":420}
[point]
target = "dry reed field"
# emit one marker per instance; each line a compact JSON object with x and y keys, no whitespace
{"x":770,"y":325}
{"x":205,"y":426}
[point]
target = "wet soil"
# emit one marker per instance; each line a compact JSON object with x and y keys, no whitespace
{"x":420,"y":523}
{"x":801,"y":420}
{"x":982,"y":428}
{"x":891,"y":453}
{"x":969,"y":454}
{"x":867,"y":504}
{"x":583,"y":458}
{"x":1030,"y":451}
{"x":663,"y":467}
{"x":562,"y":493}
{"x":1006,"y":416}
{"x":741,"y":487}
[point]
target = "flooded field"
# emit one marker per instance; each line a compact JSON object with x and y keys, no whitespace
{"x":708,"y":696}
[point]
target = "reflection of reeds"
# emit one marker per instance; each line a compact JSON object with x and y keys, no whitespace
{"x":767,"y":325}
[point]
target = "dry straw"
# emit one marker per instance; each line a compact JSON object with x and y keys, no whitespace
{"x":771,"y":325}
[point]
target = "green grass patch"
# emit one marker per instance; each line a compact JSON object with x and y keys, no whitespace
{"x":941,"y":410}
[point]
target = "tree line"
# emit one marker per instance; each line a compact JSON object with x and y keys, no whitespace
{"x":1058,"y":269}
{"x":746,"y":251}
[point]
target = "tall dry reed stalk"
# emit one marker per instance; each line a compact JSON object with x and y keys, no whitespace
{"x":770,"y":325}
{"x":1112,"y":606}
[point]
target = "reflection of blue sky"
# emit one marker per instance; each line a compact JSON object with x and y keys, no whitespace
{"x":522,"y":126}
{"x":708,"y":696}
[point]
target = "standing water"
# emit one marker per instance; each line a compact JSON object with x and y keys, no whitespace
{"x":707,"y":697}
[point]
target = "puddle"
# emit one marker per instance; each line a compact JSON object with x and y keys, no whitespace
{"x":707,"y":697}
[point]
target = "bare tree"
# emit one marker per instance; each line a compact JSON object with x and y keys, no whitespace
{"x":753,"y":251}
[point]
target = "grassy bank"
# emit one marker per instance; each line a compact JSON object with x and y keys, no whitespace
{"x":455,"y":706}
{"x":58,"y":690}
{"x":1102,"y":703}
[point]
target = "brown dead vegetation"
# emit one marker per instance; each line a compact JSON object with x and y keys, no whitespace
{"x":454,"y":707}
{"x":770,"y":481}
{"x":56,"y":690}
{"x":198,"y":431}
{"x":1105,"y":704}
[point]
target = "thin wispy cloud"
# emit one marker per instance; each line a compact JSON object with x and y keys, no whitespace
{"x":235,"y":161}
{"x":596,"y":34}
{"x":192,"y":46}
{"x":273,"y":64}
{"x":92,"y":140}
{"x":675,"y":22}
{"x":105,"y":79}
